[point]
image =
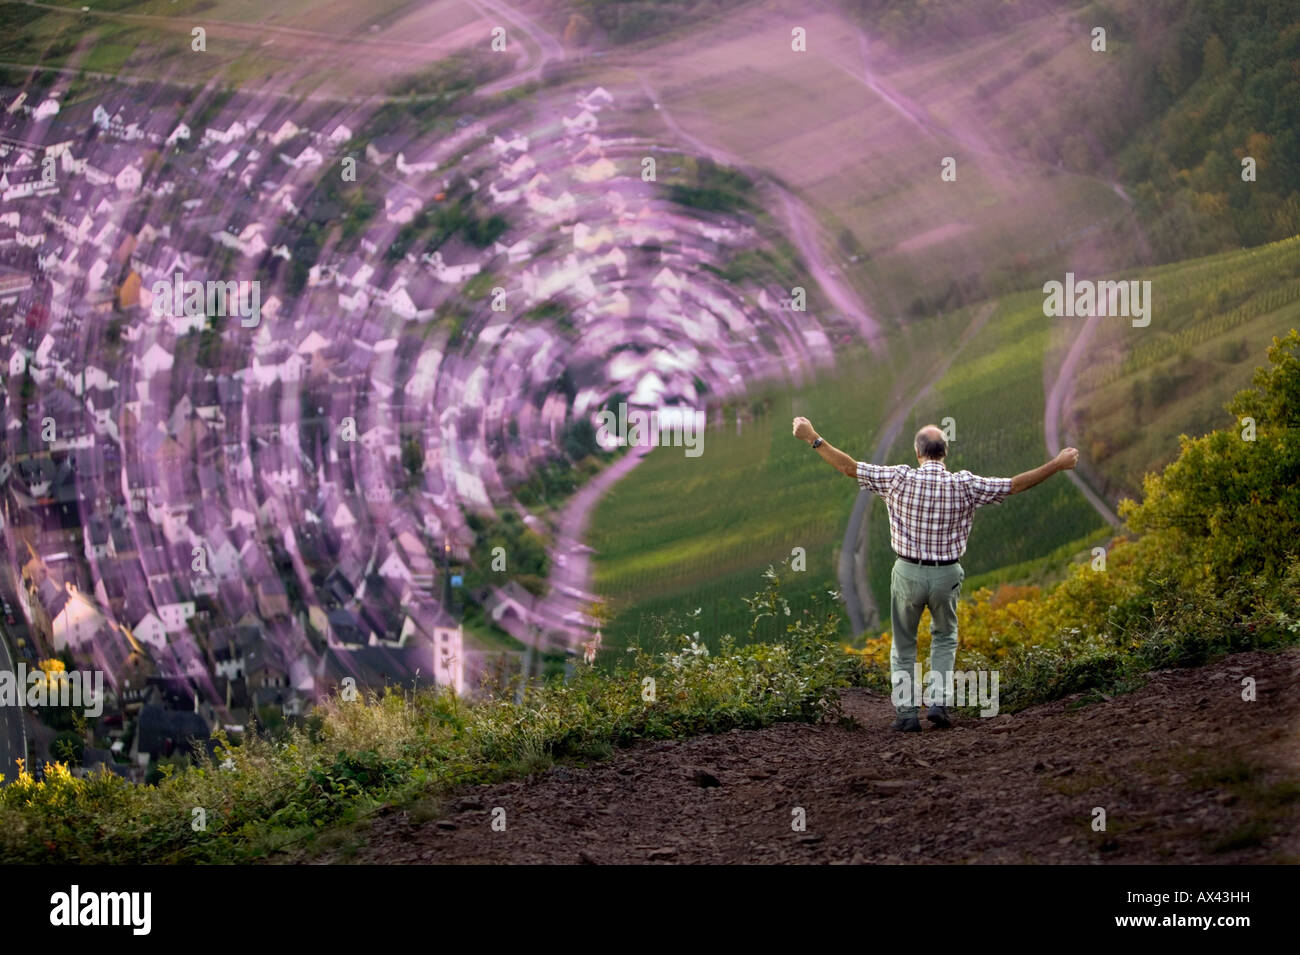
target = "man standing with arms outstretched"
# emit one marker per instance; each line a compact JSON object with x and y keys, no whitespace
{"x":930,"y":514}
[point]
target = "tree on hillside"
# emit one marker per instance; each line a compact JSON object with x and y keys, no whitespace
{"x":577,"y":32}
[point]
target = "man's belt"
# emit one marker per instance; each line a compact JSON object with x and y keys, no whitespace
{"x":927,"y":563}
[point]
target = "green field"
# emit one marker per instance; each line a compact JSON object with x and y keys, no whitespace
{"x":682,"y":533}
{"x":332,"y":16}
{"x":1212,"y":323}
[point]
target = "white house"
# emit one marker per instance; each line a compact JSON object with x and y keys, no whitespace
{"x":287,"y":130}
{"x":226,"y":161}
{"x":224,"y":560}
{"x":343,"y":519}
{"x":596,"y":99}
{"x":502,"y":146}
{"x":76,"y":622}
{"x":394,"y":569}
{"x":401,"y":209}
{"x":449,"y":657}
{"x":584,"y":122}
{"x":313,"y":343}
{"x":339,"y":135}
{"x":414,"y":168}
{"x":236,"y":130}
{"x":310,"y":156}
{"x":151,"y":631}
{"x":521,"y":166}
{"x":401,"y":304}
{"x":156,"y":359}
{"x":451,"y":274}
{"x":521,"y":251}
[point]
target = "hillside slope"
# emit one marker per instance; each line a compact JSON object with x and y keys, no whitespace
{"x":1186,"y":772}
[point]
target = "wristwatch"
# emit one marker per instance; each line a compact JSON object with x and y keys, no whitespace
{"x":816,"y":444}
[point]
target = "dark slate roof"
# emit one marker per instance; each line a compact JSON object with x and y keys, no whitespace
{"x":157,"y":725}
{"x":379,"y":666}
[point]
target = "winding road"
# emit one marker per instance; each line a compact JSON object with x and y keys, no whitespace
{"x":1058,"y":399}
{"x":568,"y":585}
{"x":550,"y":49}
{"x":13,"y":729}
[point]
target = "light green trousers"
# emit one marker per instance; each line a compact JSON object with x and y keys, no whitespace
{"x":912,"y":588}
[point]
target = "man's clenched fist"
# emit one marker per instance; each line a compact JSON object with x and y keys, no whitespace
{"x":803,"y":430}
{"x":1068,"y":458}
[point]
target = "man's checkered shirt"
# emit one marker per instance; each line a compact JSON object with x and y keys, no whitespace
{"x":930,"y":509}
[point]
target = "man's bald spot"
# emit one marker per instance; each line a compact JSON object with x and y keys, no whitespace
{"x":930,"y":443}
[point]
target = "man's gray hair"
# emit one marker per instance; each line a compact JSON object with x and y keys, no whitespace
{"x":930,"y":443}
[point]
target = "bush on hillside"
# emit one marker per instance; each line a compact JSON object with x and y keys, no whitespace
{"x":1230,"y":505}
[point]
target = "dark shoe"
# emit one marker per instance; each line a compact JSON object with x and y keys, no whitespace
{"x":907,"y":724}
{"x":938,"y":715}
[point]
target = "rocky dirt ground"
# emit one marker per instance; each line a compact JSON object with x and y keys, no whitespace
{"x":1186,"y":772}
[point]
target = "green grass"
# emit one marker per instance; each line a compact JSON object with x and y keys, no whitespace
{"x":1041,"y":571}
{"x":1212,"y":322}
{"x":481,"y":635}
{"x":107,"y":57}
{"x":162,"y":48}
{"x":682,"y":533}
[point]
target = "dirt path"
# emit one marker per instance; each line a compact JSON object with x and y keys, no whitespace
{"x":858,"y":601}
{"x":1186,"y":772}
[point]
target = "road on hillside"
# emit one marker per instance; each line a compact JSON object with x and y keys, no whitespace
{"x":1058,"y":399}
{"x":568,"y":585}
{"x":853,"y":555}
{"x":550,"y":49}
{"x":13,"y":730}
{"x":569,"y":581}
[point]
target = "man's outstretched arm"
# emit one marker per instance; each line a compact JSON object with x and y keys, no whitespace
{"x":1064,"y":461}
{"x":803,"y":430}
